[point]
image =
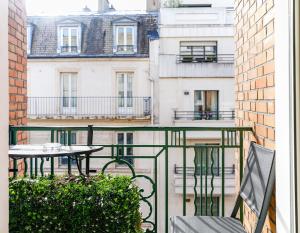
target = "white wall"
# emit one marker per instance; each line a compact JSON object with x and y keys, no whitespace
{"x":172,"y":94}
{"x":96,"y":77}
{"x":4,"y":116}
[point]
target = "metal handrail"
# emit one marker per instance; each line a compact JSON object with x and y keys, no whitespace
{"x":205,"y":58}
{"x":190,"y":171}
{"x":204,"y":115}
{"x":167,"y":139}
{"x":106,"y":107}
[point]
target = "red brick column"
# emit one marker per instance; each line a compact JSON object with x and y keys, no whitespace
{"x":17,"y":45}
{"x":254,"y":72}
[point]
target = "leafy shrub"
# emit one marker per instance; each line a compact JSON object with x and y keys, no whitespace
{"x":74,"y":205}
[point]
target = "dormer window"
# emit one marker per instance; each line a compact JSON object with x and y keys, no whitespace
{"x":125,"y":36}
{"x":69,"y":39}
{"x":125,"y":41}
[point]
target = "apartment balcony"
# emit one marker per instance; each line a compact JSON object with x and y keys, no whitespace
{"x":195,"y":66}
{"x":159,"y":149}
{"x":202,"y":58}
{"x":89,"y":108}
{"x":205,"y":115}
{"x":205,"y":177}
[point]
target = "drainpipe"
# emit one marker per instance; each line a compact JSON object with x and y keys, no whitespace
{"x":152,"y":99}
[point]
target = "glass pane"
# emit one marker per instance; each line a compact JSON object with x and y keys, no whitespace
{"x":198,"y":101}
{"x":204,"y":206}
{"x":129,"y":142}
{"x":121,"y":91}
{"x":204,"y":159}
{"x":65,"y":33}
{"x":121,"y":36}
{"x":211,"y":101}
{"x":121,"y":142}
{"x":129,"y":90}
{"x":74,"y":37}
{"x":129,"y":36}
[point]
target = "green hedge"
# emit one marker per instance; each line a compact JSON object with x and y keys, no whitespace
{"x":74,"y":205}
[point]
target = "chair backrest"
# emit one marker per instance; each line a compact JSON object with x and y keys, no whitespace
{"x":257,"y":183}
{"x":258,"y":176}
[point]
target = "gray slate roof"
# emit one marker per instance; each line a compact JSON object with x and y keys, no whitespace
{"x":97,"y":34}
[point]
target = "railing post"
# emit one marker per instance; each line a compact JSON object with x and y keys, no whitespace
{"x":184,"y":172}
{"x":69,"y":159}
{"x":241,"y":167}
{"x":223,"y":173}
{"x":89,"y":143}
{"x":167,"y":181}
{"x":52,"y":159}
{"x":13,"y":141}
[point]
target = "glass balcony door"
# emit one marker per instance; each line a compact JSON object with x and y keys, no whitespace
{"x":69,"y":93}
{"x":125,"y":100}
{"x":206,"y":105}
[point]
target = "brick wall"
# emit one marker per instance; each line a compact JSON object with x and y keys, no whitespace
{"x":254,"y":72}
{"x":17,"y":65}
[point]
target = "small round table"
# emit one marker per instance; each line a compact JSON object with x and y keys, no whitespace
{"x":76,"y":153}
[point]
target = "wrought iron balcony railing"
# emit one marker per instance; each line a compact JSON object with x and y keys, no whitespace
{"x":160,"y":150}
{"x":205,"y":58}
{"x":69,"y":49}
{"x":125,"y":48}
{"x":98,"y":107}
{"x":205,"y":115}
{"x":190,"y":171}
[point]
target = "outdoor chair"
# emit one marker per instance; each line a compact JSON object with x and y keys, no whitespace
{"x":256,"y":191}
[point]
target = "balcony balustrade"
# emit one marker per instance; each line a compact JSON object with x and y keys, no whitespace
{"x":162,"y":149}
{"x":205,"y":115}
{"x":205,"y":58}
{"x":89,"y":107}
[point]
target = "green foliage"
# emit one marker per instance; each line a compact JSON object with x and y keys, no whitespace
{"x":74,"y":205}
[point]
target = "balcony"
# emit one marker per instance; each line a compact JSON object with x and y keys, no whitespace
{"x":195,"y":66}
{"x":89,"y":108}
{"x":205,"y":177}
{"x":156,"y":151}
{"x":203,"y":58}
{"x":206,"y":115}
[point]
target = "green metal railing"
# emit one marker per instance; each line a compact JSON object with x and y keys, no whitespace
{"x":165,"y":144}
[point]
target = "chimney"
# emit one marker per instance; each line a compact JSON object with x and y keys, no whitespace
{"x":152,"y":5}
{"x":103,"y":6}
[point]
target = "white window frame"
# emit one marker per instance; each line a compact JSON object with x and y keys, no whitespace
{"x":286,"y":208}
{"x":116,"y":38}
{"x":128,"y":104}
{"x":69,"y":109}
{"x":60,"y":38}
{"x":29,"y":37}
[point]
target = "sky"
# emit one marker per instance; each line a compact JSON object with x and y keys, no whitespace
{"x":58,"y":7}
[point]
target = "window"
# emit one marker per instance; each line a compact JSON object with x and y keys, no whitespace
{"x":69,"y":90}
{"x":69,"y":39}
{"x":206,"y":105}
{"x":125,"y":41}
{"x":204,"y":206}
{"x":201,"y":51}
{"x":63,"y":139}
{"x":205,"y":157}
{"x":124,"y":82}
{"x":29,"y":37}
{"x":125,"y":139}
